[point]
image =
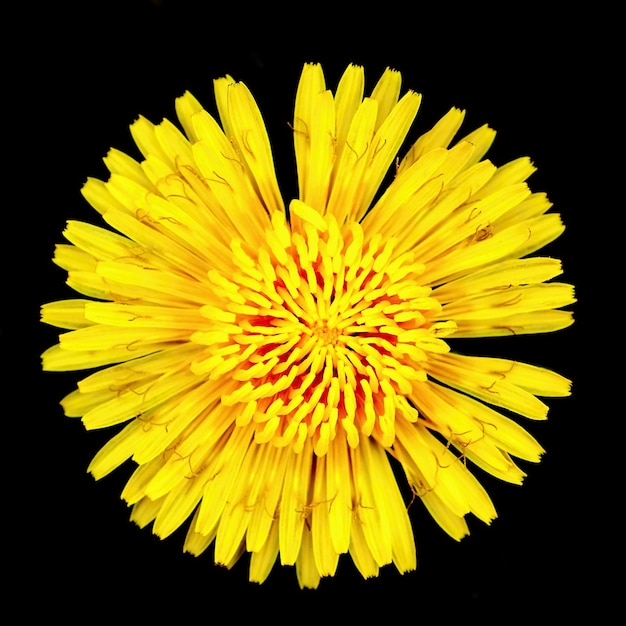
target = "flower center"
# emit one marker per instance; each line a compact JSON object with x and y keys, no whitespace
{"x":325,"y":334}
{"x":319,"y":332}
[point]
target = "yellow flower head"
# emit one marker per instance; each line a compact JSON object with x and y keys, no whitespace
{"x":267,"y":361}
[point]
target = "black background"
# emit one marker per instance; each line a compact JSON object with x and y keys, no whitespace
{"x":80,"y":73}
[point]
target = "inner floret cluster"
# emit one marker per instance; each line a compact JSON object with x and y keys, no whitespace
{"x":320,"y":332}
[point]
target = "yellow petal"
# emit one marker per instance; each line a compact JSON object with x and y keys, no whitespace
{"x":439,"y":136}
{"x":348,"y":97}
{"x":244,"y":125}
{"x":68,"y":314}
{"x":294,"y":504}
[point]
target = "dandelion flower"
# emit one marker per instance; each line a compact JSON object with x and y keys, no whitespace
{"x":268,"y":361}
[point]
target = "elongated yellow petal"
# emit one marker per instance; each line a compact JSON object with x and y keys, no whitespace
{"x":58,"y":359}
{"x":308,"y":97}
{"x":455,"y":525}
{"x":500,"y":276}
{"x":315,"y":182}
{"x":242,"y":119}
{"x":347,"y":98}
{"x":523,"y":324}
{"x":294,"y":506}
{"x":178,"y":505}
{"x":119,"y":163}
{"x":263,"y":527}
{"x":196,"y":543}
{"x":116,"y":450}
{"x":491,"y":387}
{"x":74,"y":260}
{"x":483,"y":250}
{"x":325,"y":556}
{"x":224,"y":472}
{"x":439,"y":136}
{"x":339,"y":492}
{"x":68,"y":314}
{"x":385,"y":144}
{"x":386,"y":92}
{"x":144,"y":511}
{"x":262,"y":560}
{"x":510,"y":301}
{"x":470,"y":225}
{"x":350,"y":168}
{"x":306,"y":570}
